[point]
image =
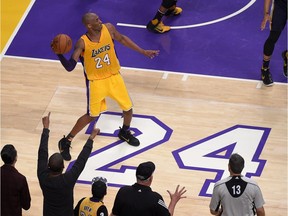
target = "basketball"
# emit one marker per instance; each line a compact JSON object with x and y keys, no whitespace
{"x":61,"y":44}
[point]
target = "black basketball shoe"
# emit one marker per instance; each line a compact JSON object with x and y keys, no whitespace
{"x":266,"y":77}
{"x":64,"y":146}
{"x":128,"y":137}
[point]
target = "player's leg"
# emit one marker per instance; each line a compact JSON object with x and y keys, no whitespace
{"x":268,"y":51}
{"x":167,"y":7}
{"x":95,"y":105}
{"x":120,"y":94}
{"x":279,"y":20}
{"x":174,"y":10}
{"x":156,"y":25}
{"x":124,"y":133}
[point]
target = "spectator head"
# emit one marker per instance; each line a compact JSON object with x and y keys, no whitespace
{"x":99,"y":187}
{"x":56,"y":163}
{"x":236,"y":163}
{"x":9,"y":154}
{"x":145,"y":170}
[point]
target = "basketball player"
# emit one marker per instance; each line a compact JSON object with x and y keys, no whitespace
{"x":94,"y":205}
{"x":96,"y":51}
{"x":277,"y":19}
{"x":236,"y":194}
{"x":167,"y":8}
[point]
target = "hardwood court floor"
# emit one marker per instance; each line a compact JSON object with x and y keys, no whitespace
{"x":195,"y":107}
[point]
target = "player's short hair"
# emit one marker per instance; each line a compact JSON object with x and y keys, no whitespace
{"x":8,"y":154}
{"x":236,"y":163}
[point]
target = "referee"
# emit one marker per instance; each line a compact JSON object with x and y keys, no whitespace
{"x":236,"y":195}
{"x":140,"y":200}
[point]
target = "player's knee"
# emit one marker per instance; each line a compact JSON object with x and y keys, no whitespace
{"x":273,"y":37}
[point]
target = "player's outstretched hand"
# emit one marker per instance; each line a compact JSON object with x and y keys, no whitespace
{"x":94,"y":133}
{"x":151,"y":53}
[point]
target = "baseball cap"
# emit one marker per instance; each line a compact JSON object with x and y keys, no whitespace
{"x":99,"y":187}
{"x":145,"y":170}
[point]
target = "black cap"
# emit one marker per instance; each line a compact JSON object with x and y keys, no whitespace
{"x":145,"y":170}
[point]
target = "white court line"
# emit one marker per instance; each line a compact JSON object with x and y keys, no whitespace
{"x":199,"y":24}
{"x":16,"y":29}
{"x":153,"y":71}
{"x":259,"y":85}
{"x":185,"y":77}
{"x":165,"y":75}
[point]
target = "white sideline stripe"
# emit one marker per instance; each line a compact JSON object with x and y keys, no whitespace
{"x":165,"y":75}
{"x":153,"y":71}
{"x":259,"y":85}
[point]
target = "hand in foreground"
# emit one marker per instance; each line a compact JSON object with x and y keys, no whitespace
{"x":178,"y":194}
{"x":46,"y":121}
{"x":151,"y":53}
{"x":94,"y":133}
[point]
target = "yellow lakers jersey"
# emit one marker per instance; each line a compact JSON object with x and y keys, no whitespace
{"x":100,"y":60}
{"x":88,"y":207}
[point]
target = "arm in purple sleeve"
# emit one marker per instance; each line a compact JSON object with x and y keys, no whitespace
{"x":69,"y":65}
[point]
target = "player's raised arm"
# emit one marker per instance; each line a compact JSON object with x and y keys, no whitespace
{"x":126,"y":41}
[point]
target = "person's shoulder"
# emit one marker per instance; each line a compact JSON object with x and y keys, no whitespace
{"x":109,"y":26}
{"x":80,"y":201}
{"x":21,"y":175}
{"x":102,"y":211}
{"x":156,"y":194}
{"x":15,"y":172}
{"x":249,"y":180}
{"x":222,"y":181}
{"x":125,"y":188}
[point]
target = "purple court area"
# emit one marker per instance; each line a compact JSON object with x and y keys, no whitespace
{"x":229,"y":48}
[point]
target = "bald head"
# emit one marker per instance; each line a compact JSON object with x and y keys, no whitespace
{"x":56,"y":163}
{"x":88,"y":17}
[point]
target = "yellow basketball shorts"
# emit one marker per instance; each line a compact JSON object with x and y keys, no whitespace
{"x":113,"y":87}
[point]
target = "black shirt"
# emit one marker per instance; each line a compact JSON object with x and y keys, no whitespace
{"x":58,"y":190}
{"x":139,"y":200}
